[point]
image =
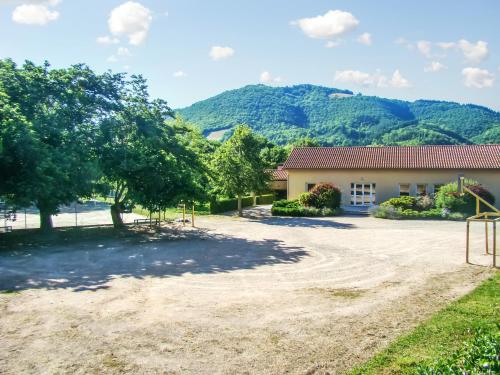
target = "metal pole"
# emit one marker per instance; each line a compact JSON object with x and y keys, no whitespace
{"x":25,"y":220}
{"x":467,"y":243}
{"x":192,"y":216}
{"x":76,"y":216}
{"x":494,"y":244}
{"x":486,"y":234}
{"x":184,"y":214}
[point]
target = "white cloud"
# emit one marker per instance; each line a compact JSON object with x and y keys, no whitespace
{"x":332,"y":43}
{"x":477,"y":78}
{"x":435,"y":66}
{"x":34,"y":14}
{"x":446,"y":45}
{"x":473,"y":53}
{"x":268,"y":78}
{"x":179,"y":74}
{"x":425,"y":48}
{"x":220,"y":53}
{"x":123,"y":52}
{"x":330,"y":25}
{"x":355,"y":76}
{"x":367,"y":79}
{"x":365,"y":38}
{"x":131,"y":19}
{"x":404,"y":42}
{"x":107,"y":40}
{"x":398,"y":81}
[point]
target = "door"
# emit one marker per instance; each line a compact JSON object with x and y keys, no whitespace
{"x":363,"y":194}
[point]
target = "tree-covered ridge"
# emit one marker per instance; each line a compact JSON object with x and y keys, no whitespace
{"x":284,"y":114}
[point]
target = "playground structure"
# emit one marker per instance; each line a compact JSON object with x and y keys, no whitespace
{"x":182,"y":208}
{"x":483,"y":217}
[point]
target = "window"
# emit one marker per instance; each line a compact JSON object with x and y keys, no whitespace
{"x":421,"y":189}
{"x":363,"y":194}
{"x":404,"y":190}
{"x":310,"y":186}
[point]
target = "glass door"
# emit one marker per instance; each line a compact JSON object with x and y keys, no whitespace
{"x":363,"y":194}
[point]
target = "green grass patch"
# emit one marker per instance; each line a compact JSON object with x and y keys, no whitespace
{"x":445,"y":335}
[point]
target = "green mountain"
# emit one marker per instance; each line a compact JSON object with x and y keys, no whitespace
{"x":337,"y":117}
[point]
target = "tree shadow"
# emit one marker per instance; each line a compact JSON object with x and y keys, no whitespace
{"x":307,"y":222}
{"x":92,"y":265}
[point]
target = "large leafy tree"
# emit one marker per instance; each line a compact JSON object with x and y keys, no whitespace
{"x":144,"y":160}
{"x":238,"y":167}
{"x":62,"y":108}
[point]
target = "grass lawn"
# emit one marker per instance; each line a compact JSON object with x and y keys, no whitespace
{"x":170,"y":214}
{"x":443,"y":334}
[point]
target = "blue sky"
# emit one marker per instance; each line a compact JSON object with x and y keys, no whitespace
{"x":190,"y":50}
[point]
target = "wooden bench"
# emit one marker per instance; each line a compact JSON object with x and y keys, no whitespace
{"x":146,"y":221}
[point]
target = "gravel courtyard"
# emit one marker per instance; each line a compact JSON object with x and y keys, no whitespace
{"x":258,"y":295}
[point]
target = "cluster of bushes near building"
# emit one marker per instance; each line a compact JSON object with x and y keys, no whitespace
{"x":448,"y":203}
{"x":322,"y":200}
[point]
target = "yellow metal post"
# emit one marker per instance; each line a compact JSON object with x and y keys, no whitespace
{"x":494,"y":244}
{"x":184,"y":214}
{"x":486,"y":234}
{"x":192,"y":216}
{"x":467,"y":243}
{"x":478,"y":205}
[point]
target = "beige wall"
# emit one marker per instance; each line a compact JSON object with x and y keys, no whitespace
{"x":387,"y":181}
{"x":277,"y":185}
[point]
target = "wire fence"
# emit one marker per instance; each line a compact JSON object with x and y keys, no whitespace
{"x":88,"y":213}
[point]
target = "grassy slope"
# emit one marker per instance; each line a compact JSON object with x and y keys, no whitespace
{"x":442,"y":334}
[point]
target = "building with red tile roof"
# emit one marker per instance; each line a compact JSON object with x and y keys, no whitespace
{"x":371,"y":175}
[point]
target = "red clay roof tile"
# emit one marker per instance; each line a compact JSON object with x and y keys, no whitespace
{"x":396,"y":157}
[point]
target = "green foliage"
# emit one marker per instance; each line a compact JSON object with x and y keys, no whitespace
{"x":52,"y":160}
{"x":266,"y":199}
{"x":425,"y":202}
{"x":285,"y":114}
{"x":404,"y":203}
{"x":326,"y":196}
{"x":450,"y":198}
{"x":307,"y":199}
{"x":472,"y":319}
{"x":237,"y":166}
{"x":479,"y":356}
{"x":294,"y":208}
{"x":229,"y":204}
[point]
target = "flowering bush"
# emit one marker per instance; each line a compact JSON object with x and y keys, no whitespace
{"x":326,"y":196}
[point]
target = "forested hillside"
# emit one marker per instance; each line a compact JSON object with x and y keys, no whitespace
{"x":337,"y":117}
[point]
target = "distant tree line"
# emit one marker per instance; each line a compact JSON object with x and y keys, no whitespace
{"x":70,"y":133}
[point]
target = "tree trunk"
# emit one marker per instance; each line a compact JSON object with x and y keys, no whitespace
{"x":240,"y":208}
{"x":46,"y":224}
{"x":116,"y":217}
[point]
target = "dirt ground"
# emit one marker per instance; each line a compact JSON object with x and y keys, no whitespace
{"x":258,"y":295}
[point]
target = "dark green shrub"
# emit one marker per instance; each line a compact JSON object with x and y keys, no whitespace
{"x":402,"y":203}
{"x":266,"y":199}
{"x":286,"y":203}
{"x":326,"y":196}
{"x":229,"y":204}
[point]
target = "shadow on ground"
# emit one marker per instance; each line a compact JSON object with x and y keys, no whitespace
{"x":262,"y":214}
{"x":91,"y":265}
